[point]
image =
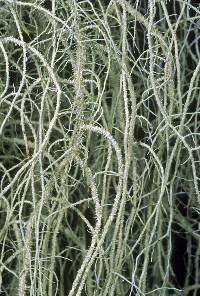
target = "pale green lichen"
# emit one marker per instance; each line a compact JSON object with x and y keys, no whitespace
{"x":99,"y":140}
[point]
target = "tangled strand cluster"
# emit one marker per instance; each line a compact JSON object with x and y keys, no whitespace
{"x":100,"y":147}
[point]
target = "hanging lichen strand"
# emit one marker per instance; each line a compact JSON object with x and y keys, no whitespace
{"x":100,"y":148}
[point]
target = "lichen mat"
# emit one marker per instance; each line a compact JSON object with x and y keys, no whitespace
{"x":100,"y":148}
